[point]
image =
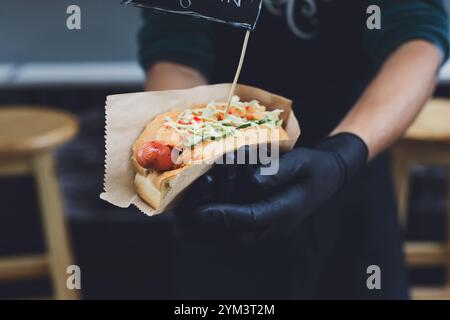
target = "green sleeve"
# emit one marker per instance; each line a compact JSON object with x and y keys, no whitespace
{"x":175,"y":38}
{"x":406,"y":20}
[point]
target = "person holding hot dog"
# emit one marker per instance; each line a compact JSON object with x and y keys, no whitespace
{"x":314,"y":228}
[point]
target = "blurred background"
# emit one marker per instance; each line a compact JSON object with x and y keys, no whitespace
{"x":121,"y":252}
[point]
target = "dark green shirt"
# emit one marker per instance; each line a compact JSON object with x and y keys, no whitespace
{"x":320,"y":53}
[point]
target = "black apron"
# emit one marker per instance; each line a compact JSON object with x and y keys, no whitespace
{"x":319,"y":62}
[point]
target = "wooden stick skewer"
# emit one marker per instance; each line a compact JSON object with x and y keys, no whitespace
{"x":238,"y":71}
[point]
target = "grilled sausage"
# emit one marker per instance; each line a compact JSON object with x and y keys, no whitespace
{"x":154,"y":155}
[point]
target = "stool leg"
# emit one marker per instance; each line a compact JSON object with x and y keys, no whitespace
{"x":448,"y":230}
{"x":402,"y":167}
{"x":52,"y":212}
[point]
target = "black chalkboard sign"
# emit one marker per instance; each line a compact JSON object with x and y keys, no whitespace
{"x":240,"y":13}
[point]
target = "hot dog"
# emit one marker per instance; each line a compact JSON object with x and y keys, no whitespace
{"x":200,"y":133}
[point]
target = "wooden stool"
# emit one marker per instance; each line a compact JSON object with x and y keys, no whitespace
{"x":426,"y":142}
{"x":28,"y":138}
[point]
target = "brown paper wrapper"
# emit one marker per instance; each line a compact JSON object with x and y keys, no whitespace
{"x":128,"y":114}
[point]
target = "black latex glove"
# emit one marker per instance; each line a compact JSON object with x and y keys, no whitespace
{"x":306,"y":179}
{"x":224,"y":183}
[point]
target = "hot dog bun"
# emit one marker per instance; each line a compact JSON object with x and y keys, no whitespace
{"x":152,"y":185}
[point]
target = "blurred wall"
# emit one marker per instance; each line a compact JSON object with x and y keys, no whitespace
{"x":35,"y":31}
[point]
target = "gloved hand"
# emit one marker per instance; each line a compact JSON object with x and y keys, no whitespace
{"x":225,"y":183}
{"x":306,"y":179}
